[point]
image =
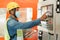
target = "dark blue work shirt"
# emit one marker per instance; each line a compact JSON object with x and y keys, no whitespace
{"x":13,"y":25}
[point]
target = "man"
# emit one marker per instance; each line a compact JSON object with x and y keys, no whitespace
{"x":13,"y":24}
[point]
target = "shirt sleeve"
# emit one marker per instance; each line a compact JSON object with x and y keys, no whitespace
{"x":19,"y":25}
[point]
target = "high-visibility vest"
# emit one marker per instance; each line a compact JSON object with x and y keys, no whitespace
{"x":19,"y":33}
{"x":7,"y":37}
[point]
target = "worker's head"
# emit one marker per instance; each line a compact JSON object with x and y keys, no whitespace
{"x":13,"y":9}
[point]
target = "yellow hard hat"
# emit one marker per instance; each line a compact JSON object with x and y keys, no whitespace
{"x":12,"y":5}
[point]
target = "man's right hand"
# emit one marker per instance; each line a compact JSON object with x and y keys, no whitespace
{"x":44,"y":16}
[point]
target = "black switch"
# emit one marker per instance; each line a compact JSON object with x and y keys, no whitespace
{"x":58,"y":6}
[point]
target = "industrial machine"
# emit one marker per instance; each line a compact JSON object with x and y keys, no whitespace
{"x":49,"y":26}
